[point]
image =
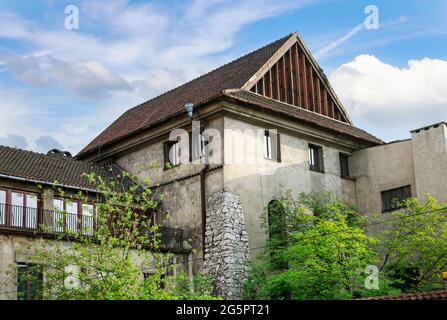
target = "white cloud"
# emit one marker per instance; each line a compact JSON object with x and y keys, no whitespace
{"x":392,"y":99}
{"x":87,"y":78}
{"x":132,"y":40}
{"x":125,"y":52}
{"x":14,"y":112}
{"x":14,"y":140}
{"x":336,"y":43}
{"x":47,"y":143}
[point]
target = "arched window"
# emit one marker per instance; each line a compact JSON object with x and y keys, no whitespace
{"x":277,"y":222}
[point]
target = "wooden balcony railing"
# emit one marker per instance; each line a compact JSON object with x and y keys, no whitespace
{"x":17,"y":218}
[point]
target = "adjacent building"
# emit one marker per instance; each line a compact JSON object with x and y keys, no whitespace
{"x":39,"y":199}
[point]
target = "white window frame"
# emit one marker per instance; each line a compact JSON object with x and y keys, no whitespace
{"x":174,"y":156}
{"x":267,"y":145}
{"x":3,"y":208}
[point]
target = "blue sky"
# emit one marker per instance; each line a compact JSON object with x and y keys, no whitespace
{"x":60,"y":88}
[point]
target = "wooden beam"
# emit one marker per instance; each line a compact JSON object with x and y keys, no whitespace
{"x":326,"y":107}
{"x":271,"y":61}
{"x":261,"y":86}
{"x":277,"y":81}
{"x":291,"y":80}
{"x":305,"y":100}
{"x":318,"y":95}
{"x":283,"y":79}
{"x":297,"y":77}
{"x":337,"y":114}
{"x":332,"y":110}
{"x":268,"y":81}
{"x":311,"y":89}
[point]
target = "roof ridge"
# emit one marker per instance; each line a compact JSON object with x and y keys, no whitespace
{"x":232,"y":74}
{"x":23,"y":150}
{"x":246,"y":96}
{"x":211,"y":71}
{"x":230,"y":91}
{"x":43,"y":155}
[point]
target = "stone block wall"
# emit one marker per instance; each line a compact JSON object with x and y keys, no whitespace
{"x":226,"y":244}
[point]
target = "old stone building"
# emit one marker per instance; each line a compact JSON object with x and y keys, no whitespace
{"x":239,"y":137}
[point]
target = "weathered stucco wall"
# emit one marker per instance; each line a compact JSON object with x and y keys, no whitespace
{"x":9,"y":245}
{"x":15,"y":249}
{"x":179,"y":185}
{"x":381,"y":168}
{"x":256,"y":190}
{"x":420,"y":162}
{"x":430,"y":161}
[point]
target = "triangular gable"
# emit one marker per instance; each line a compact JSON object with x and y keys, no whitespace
{"x":229,"y":76}
{"x":293,"y":76}
{"x":264,"y":71}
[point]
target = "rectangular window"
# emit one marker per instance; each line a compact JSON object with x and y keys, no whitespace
{"x":29,"y":282}
{"x":392,"y":199}
{"x":2,"y":207}
{"x":171,"y":154}
{"x":344,"y":165}
{"x":87,"y":219}
{"x":272,"y":146}
{"x":197,"y":146}
{"x":18,"y":204}
{"x":72,"y":216}
{"x":31,"y":211}
{"x":316,"y":162}
{"x":58,"y":215}
{"x":18,"y":209}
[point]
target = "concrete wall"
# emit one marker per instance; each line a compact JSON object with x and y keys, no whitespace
{"x":420,"y":162}
{"x":15,"y":249}
{"x":241,"y":176}
{"x":381,"y":168}
{"x":180,"y":187}
{"x":430,"y":161}
{"x":258,"y":184}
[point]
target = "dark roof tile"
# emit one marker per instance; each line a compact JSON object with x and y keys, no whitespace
{"x":431,"y":295}
{"x":303,"y":115}
{"x":66,"y":171}
{"x":232,"y":75}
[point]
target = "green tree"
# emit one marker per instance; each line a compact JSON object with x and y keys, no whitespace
{"x":323,"y":255}
{"x":106,"y":263}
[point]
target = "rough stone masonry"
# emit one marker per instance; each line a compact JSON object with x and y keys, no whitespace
{"x":226,"y":244}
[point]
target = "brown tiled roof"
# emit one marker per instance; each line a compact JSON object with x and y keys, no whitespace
{"x":232,"y":75}
{"x":431,"y":295}
{"x":302,"y":114}
{"x":66,"y":171}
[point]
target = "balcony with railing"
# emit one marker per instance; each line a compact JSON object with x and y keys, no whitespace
{"x":19,"y":219}
{"x":46,"y":221}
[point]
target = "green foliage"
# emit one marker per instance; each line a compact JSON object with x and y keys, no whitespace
{"x":324,"y":257}
{"x":199,"y":289}
{"x":413,"y":245}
